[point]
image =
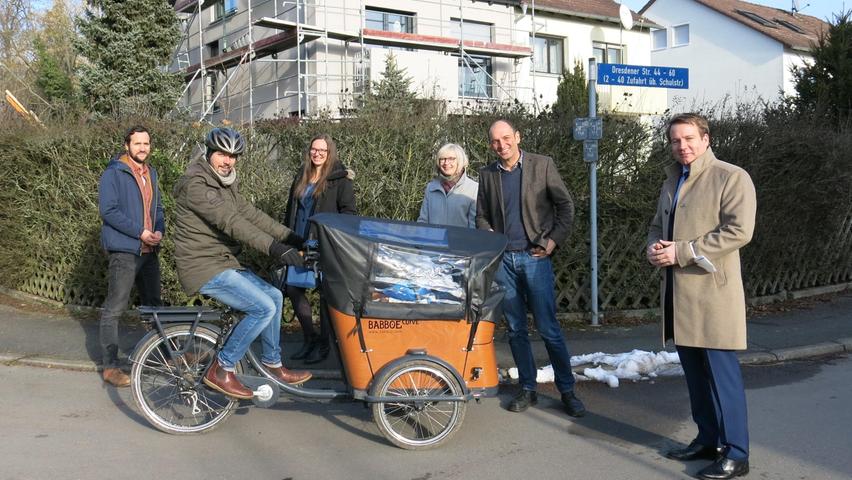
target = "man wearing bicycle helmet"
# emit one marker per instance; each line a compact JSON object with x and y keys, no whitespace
{"x":212,"y":222}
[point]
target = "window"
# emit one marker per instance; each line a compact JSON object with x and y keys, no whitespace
{"x":659,"y":39}
{"x":607,"y":53}
{"x":213,"y":49}
{"x":475,"y":77}
{"x":389,"y":21}
{"x":416,"y":276}
{"x":789,"y":25}
{"x":476,"y":31}
{"x":223,"y":8}
{"x":211,"y":89}
{"x":681,"y":35}
{"x":756,"y":18}
{"x":547,"y":52}
{"x":474,"y":71}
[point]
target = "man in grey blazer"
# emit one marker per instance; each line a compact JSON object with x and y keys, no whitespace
{"x":522,"y":196}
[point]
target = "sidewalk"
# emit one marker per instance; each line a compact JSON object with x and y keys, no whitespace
{"x":62,"y":341}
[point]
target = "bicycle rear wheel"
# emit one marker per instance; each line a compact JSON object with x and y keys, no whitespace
{"x":173,"y":403}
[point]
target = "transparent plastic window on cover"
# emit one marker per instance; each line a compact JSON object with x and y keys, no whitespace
{"x":417,"y":277}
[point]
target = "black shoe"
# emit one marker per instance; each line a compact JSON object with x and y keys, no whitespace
{"x":523,"y":401}
{"x":319,"y":354}
{"x":307,"y":348}
{"x":724,"y":468}
{"x":573,"y":405}
{"x":694,"y":451}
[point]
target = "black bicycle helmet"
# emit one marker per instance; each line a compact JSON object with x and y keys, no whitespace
{"x":225,"y":140}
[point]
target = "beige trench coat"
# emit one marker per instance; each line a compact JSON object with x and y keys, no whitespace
{"x":716,"y":210}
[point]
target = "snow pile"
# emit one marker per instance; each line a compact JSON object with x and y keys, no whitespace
{"x":609,"y":368}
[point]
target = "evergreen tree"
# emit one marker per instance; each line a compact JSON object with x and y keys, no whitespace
{"x":825,"y":85}
{"x":127,"y":45}
{"x":57,"y":34}
{"x":393,"y":91}
{"x":54,"y":83}
{"x":395,"y":85}
{"x":572,"y":94}
{"x":55,"y":57}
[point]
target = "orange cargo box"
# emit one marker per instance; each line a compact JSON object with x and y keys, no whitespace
{"x":387,"y":340}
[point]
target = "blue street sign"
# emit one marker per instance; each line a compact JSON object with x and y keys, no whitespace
{"x":642,"y":76}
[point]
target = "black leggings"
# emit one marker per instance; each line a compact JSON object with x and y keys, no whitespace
{"x":302,"y":308}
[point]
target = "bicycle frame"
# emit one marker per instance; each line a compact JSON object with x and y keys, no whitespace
{"x":160,"y":316}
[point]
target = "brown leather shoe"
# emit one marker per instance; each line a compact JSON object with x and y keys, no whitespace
{"x":226,"y":382}
{"x":116,"y":378}
{"x":293,"y":377}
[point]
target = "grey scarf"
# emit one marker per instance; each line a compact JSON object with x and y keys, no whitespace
{"x":227,"y":181}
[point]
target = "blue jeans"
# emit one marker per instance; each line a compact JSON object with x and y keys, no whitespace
{"x":261,"y":302}
{"x":529,"y":282}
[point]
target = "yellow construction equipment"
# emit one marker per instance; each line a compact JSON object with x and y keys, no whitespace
{"x":19,"y":107}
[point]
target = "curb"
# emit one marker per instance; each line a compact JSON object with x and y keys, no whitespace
{"x":841,"y":345}
{"x":12,"y":359}
{"x":796,"y":353}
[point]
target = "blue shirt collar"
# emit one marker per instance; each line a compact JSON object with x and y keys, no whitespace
{"x":520,"y":163}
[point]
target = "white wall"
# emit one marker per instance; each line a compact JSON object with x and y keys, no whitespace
{"x":579,"y":36}
{"x":793,"y":59}
{"x":725,"y":58}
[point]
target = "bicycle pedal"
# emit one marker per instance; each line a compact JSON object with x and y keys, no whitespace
{"x":266,"y":392}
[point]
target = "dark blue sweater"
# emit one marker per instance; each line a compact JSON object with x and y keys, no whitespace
{"x":511,"y":183}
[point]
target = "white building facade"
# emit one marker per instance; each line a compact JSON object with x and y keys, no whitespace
{"x":249,"y":59}
{"x":734,"y":50}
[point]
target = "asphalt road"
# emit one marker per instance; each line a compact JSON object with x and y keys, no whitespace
{"x":67,"y":425}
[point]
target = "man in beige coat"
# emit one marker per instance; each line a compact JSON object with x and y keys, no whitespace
{"x":705,"y":214}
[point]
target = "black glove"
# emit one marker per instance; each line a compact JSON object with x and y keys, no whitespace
{"x":294,"y":240}
{"x":285,"y":254}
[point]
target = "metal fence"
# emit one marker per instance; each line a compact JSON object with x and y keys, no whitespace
{"x":626,"y":280}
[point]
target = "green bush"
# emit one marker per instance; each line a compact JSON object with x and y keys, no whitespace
{"x":49,"y":223}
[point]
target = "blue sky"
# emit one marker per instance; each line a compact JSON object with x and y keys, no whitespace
{"x":817,"y":8}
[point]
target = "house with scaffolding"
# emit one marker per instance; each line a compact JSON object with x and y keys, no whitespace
{"x":249,"y":59}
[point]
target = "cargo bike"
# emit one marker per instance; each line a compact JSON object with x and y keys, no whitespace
{"x":412,"y":309}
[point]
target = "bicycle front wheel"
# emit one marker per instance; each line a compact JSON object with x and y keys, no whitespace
{"x":174,"y":403}
{"x":416,"y":424}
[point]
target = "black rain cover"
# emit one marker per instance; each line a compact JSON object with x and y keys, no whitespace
{"x":407,"y":270}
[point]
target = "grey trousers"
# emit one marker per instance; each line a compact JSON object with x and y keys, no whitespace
{"x":125,"y":270}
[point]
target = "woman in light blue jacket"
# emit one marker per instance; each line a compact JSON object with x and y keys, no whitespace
{"x":450,"y":198}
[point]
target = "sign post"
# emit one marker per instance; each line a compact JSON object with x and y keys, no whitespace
{"x":590,"y":130}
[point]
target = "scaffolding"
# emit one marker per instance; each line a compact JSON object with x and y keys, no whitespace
{"x":290,"y":34}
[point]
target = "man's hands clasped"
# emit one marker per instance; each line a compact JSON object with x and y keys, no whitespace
{"x":662,"y":253}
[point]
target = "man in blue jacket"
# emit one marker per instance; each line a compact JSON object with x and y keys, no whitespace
{"x":133,"y":225}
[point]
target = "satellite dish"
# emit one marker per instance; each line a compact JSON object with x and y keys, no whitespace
{"x":626,"y":17}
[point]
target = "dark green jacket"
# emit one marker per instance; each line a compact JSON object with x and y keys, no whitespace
{"x":211,"y":223}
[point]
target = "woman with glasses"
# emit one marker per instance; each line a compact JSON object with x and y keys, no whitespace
{"x":450,"y":197}
{"x":323,"y":185}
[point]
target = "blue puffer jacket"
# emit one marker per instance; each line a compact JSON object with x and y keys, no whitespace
{"x":120,"y":206}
